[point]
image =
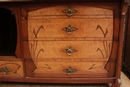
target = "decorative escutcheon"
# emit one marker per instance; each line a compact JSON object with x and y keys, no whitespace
{"x":69,"y":51}
{"x":69,"y":12}
{"x":69,"y":29}
{"x":5,"y":70}
{"x":70,"y":70}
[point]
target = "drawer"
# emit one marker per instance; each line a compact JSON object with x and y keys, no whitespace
{"x":70,"y":10}
{"x":70,"y":69}
{"x":52,"y":29}
{"x":11,"y":68}
{"x":70,"y":49}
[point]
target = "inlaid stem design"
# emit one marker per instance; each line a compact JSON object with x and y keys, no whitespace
{"x":104,"y":32}
{"x":46,"y":66}
{"x":38,"y":30}
{"x":34,"y":52}
{"x":107,"y":50}
{"x":93,"y":67}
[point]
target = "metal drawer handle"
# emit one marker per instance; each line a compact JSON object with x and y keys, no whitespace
{"x":69,"y":12}
{"x":69,"y":29}
{"x":69,"y":51}
{"x":70,"y":70}
{"x":5,"y":70}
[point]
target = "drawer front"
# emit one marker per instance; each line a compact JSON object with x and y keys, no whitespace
{"x":70,"y":10}
{"x":70,"y":49}
{"x":11,"y":68}
{"x":43,"y":29}
{"x":70,"y":69}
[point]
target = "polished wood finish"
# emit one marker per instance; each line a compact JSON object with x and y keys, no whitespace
{"x":54,"y":46}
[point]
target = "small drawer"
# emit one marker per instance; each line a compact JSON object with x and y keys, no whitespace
{"x":70,"y":49}
{"x":70,"y":10}
{"x":52,"y":29}
{"x":70,"y":69}
{"x":11,"y":68}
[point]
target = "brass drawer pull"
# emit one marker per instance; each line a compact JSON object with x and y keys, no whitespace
{"x":69,"y":29}
{"x":69,"y":70}
{"x":69,"y":12}
{"x":5,"y":70}
{"x":69,"y":51}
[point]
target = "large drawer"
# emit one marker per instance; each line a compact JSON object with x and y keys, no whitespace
{"x":70,"y":49}
{"x":43,"y":29}
{"x":70,"y":69}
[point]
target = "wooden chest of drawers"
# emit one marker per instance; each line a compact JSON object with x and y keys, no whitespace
{"x":70,"y":42}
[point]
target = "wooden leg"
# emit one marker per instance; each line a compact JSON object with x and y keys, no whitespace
{"x":117,"y":83}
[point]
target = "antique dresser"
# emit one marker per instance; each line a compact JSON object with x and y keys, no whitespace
{"x":62,"y":41}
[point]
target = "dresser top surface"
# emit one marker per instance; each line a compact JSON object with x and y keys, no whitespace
{"x":62,"y":0}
